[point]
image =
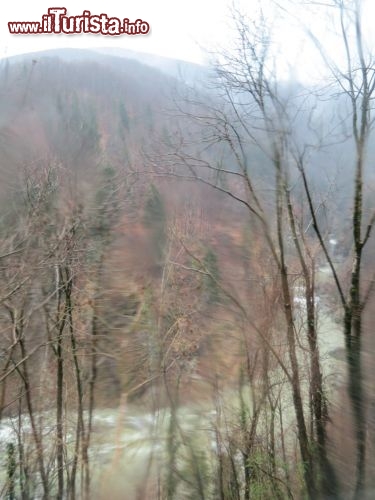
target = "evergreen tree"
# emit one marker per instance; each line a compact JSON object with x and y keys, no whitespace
{"x":107,"y":205}
{"x":155,"y":220}
{"x":124,"y":117}
{"x":213,"y":275}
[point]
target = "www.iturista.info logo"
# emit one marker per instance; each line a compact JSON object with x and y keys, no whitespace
{"x":57,"y":22}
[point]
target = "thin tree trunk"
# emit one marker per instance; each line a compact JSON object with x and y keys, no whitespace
{"x":59,"y":419}
{"x":61,"y":322}
{"x":36,"y":436}
{"x":80,"y":423}
{"x":93,"y":377}
{"x":354,"y":334}
{"x":329,"y":483}
{"x":296,"y":383}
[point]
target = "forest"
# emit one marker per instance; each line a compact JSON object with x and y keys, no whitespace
{"x":187,"y":272}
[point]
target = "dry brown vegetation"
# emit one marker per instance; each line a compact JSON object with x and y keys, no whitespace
{"x":197,"y":271}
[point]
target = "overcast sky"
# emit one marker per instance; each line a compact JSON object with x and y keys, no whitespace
{"x":178,"y":28}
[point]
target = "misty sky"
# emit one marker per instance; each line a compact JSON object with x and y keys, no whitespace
{"x":179,"y":28}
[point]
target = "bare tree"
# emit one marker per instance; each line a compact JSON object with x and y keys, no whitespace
{"x":354,"y":80}
{"x":252,"y":119}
